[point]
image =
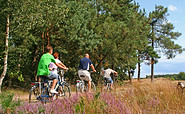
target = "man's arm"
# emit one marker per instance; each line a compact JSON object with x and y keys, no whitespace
{"x":103,"y":72}
{"x":116,"y":73}
{"x":92,"y":66}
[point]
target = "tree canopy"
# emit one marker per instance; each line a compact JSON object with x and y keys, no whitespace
{"x":114,"y":32}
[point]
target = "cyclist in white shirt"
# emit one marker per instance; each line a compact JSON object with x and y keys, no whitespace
{"x":106,"y":75}
{"x":53,"y":67}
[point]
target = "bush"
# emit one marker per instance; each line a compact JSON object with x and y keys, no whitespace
{"x":7,"y":102}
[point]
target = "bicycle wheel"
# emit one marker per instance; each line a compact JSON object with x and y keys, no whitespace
{"x":114,"y":87}
{"x":66,"y":90}
{"x":45,"y":95}
{"x":34,"y":94}
{"x":104,"y":87}
{"x":79,"y":87}
{"x":93,"y":87}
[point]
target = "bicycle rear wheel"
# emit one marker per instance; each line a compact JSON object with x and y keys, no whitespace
{"x":34,"y":94}
{"x":104,"y":87}
{"x":45,"y":95}
{"x":79,"y":87}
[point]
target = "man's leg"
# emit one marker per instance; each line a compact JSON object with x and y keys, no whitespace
{"x":111,"y":81}
{"x":89,"y":86}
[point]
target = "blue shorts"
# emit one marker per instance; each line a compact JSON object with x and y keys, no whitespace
{"x":53,"y":75}
{"x":109,"y":80}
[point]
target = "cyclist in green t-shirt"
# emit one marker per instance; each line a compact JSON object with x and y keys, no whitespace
{"x":43,"y":67}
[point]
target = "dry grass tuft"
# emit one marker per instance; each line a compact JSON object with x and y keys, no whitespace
{"x":159,"y":96}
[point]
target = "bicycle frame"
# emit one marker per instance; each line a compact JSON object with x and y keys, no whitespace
{"x":81,"y":84}
{"x":41,"y":89}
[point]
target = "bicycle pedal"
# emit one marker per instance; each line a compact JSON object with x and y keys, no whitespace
{"x":38,"y":98}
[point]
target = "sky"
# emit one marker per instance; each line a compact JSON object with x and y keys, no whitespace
{"x":176,"y":11}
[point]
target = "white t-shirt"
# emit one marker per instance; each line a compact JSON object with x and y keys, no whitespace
{"x":53,"y":66}
{"x":107,"y":73}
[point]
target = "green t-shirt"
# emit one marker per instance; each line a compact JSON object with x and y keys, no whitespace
{"x":43,"y":67}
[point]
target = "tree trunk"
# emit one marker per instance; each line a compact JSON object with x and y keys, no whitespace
{"x":100,"y":68}
{"x":47,"y":35}
{"x":43,"y":42}
{"x":10,"y":82}
{"x":6,"y":54}
{"x":130,"y":78}
{"x":139,"y":68}
{"x":152,"y":69}
{"x":152,"y":59}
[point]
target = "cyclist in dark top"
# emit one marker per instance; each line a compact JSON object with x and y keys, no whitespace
{"x":83,"y":70}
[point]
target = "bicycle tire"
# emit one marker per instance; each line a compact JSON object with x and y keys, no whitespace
{"x":45,"y":95}
{"x":104,"y":87}
{"x":66,"y":90}
{"x":79,"y":88}
{"x":34,"y":94}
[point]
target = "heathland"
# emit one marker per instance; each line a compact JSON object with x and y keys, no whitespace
{"x":159,"y":96}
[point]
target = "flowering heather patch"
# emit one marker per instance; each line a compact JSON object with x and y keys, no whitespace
{"x":64,"y":105}
{"x":115,"y":104}
{"x":158,"y":97}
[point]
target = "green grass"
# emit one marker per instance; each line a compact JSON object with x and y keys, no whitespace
{"x":8,"y":102}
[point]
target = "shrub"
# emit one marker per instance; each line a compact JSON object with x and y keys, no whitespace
{"x":8,"y":104}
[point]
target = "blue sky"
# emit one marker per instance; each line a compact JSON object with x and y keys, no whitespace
{"x":176,"y":11}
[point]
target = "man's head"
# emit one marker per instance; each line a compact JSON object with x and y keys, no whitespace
{"x":87,"y":55}
{"x":56,"y":55}
{"x":49,"y":49}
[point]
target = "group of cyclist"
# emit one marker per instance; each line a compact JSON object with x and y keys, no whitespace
{"x":49,"y":63}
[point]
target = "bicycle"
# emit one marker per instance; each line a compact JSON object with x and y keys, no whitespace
{"x":82,"y":86}
{"x":66,"y":89}
{"x":40,"y":90}
{"x":106,"y":84}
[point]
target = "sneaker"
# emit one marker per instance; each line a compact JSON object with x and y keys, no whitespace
{"x":53,"y":91}
{"x":62,"y":94}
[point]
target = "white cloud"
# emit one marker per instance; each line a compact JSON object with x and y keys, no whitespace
{"x":172,"y":8}
{"x":178,"y":59}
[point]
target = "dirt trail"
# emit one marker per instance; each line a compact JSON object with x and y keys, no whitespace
{"x":119,"y":89}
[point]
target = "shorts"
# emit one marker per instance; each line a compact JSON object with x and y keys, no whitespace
{"x":50,"y":77}
{"x":109,"y":80}
{"x":53,"y":75}
{"x":84,"y":75}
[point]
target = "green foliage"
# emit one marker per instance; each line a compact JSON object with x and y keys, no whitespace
{"x":180,"y":76}
{"x":80,"y":106}
{"x":114,"y":33}
{"x":7,"y":101}
{"x":163,"y":35}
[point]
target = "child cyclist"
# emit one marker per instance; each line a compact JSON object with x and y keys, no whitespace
{"x":43,"y":67}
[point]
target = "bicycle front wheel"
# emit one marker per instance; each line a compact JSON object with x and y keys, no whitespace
{"x":104,"y":87}
{"x":66,"y":90}
{"x":34,"y":94}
